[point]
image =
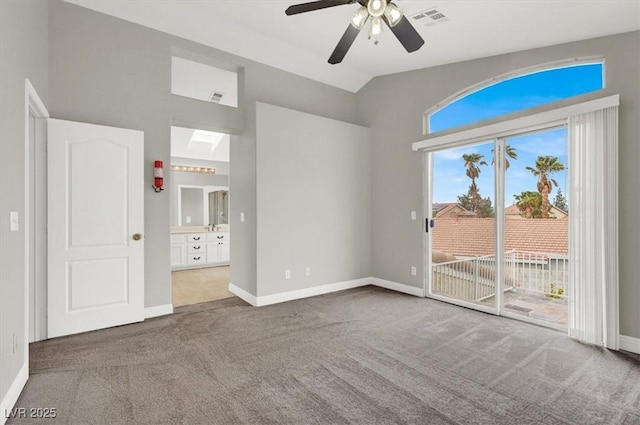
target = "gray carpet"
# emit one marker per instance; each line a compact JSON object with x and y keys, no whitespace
{"x":363,"y":356}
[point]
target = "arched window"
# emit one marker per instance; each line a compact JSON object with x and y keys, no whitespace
{"x":511,"y":93}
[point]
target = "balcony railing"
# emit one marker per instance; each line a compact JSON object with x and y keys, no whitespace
{"x":473,"y":278}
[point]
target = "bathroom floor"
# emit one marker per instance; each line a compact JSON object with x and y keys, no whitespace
{"x":199,"y":285}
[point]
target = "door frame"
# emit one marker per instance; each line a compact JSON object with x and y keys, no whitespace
{"x":34,"y":311}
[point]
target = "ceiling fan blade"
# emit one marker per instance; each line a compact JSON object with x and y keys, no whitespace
{"x":344,"y":44}
{"x":406,"y":34}
{"x":315,"y":5}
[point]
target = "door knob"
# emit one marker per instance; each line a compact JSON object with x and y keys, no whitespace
{"x":137,"y":236}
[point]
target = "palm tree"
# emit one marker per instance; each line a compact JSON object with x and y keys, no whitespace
{"x":545,"y":166}
{"x":472,"y":162}
{"x":527,"y":202}
{"x":510,"y":152}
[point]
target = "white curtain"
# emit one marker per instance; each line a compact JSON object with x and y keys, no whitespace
{"x":593,"y":223}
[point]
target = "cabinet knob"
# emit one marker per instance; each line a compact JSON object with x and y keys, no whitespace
{"x":136,"y":236}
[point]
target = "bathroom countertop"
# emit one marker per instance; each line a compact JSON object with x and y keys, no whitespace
{"x":195,"y":229}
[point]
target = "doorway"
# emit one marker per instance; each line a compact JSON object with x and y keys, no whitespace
{"x":498,"y":239}
{"x":200,"y":231}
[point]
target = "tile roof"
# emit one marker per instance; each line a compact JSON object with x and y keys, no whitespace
{"x":513,"y":210}
{"x":476,"y":236}
{"x":439,"y":207}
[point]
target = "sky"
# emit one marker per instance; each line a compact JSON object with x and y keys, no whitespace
{"x":505,"y":97}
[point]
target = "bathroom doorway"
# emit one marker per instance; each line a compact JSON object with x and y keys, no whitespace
{"x":200,"y":231}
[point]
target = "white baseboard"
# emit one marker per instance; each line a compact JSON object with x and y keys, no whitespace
{"x":395,"y":286}
{"x":159,"y":310}
{"x":242,"y":294}
{"x":322,"y":289}
{"x":311,"y":292}
{"x":629,"y":343}
{"x":9,"y":400}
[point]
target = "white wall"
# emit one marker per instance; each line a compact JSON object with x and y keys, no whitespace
{"x":313,"y":200}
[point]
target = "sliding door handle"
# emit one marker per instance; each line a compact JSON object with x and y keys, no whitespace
{"x":429,"y":223}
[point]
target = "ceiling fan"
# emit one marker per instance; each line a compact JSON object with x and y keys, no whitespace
{"x":378,"y":11}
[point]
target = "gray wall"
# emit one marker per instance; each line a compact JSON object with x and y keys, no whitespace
{"x":23,"y":54}
{"x":397,"y":241}
{"x":108,"y":71}
{"x":191,"y":179}
{"x":313,"y":200}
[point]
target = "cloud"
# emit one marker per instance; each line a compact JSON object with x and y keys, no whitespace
{"x":554,"y":144}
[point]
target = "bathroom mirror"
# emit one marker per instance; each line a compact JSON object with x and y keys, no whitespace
{"x":202,"y":205}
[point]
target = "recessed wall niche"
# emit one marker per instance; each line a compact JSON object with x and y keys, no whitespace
{"x":204,"y":81}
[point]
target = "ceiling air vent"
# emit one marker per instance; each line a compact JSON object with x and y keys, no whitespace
{"x":215,"y":96}
{"x":430,"y":17}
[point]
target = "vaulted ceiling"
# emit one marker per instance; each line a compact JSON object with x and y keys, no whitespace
{"x":260,"y":31}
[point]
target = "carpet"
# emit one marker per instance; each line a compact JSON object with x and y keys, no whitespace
{"x":362,"y":356}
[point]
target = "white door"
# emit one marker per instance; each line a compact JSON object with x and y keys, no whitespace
{"x":96,"y":220}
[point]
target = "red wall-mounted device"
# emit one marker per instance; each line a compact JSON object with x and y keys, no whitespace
{"x":158,"y":180}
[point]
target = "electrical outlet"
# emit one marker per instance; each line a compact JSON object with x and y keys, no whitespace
{"x":307,"y":271}
{"x":413,"y":271}
{"x":413,"y":215}
{"x":287,"y":274}
{"x":241,"y":217}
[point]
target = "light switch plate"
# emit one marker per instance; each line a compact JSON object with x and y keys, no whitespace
{"x":413,"y":215}
{"x":242,"y":217}
{"x":14,"y":221}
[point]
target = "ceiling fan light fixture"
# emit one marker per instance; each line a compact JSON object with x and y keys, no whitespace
{"x":376,"y":26}
{"x":393,"y":14}
{"x":376,"y":7}
{"x":360,"y":18}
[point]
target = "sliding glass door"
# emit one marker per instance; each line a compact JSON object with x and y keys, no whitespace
{"x":497,"y":232}
{"x":462,"y":226}
{"x":536,"y":228}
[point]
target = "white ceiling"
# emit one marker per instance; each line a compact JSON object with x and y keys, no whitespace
{"x":204,"y":145}
{"x":260,"y":30}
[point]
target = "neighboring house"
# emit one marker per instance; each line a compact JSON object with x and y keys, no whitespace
{"x":451,"y":210}
{"x":476,"y":237}
{"x":513,"y":212}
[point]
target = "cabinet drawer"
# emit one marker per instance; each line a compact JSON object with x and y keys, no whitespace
{"x":176,"y":239}
{"x":196,"y":259}
{"x":196,"y":248}
{"x":196,"y":237}
{"x":217,"y":236}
